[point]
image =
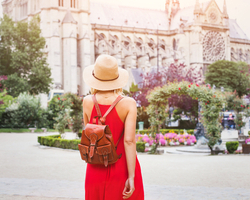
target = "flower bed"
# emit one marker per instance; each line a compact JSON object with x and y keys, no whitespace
{"x":171,"y":138}
{"x":163,"y":131}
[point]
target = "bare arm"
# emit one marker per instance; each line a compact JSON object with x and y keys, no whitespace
{"x":130,"y":147}
{"x":86,"y":109}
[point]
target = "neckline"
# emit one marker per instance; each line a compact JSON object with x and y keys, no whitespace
{"x":104,"y":104}
{"x":113,"y":109}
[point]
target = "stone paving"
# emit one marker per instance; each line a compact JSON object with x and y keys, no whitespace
{"x":29,"y":171}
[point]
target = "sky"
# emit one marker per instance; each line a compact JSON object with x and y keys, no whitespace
{"x":237,"y":9}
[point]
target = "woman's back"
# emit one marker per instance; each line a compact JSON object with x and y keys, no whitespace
{"x":122,"y":107}
{"x":119,"y":180}
{"x":107,"y":182}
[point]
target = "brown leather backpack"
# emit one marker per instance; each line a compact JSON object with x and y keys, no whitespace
{"x":97,"y":145}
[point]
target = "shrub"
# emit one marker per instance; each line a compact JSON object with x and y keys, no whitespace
{"x":56,"y":141}
{"x":53,"y":109}
{"x":71,"y":114}
{"x":25,"y":112}
{"x":232,"y":146}
{"x":140,"y":146}
{"x":5,"y":101}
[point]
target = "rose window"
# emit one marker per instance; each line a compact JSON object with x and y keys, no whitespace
{"x":213,"y":47}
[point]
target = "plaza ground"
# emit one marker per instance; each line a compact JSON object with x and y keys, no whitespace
{"x":33,"y":172}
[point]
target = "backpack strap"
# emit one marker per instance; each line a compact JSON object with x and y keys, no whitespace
{"x":99,"y":118}
{"x":99,"y":114}
{"x":119,"y":98}
{"x":119,"y":140}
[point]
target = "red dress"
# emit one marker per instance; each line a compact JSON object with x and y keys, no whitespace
{"x":107,"y":183}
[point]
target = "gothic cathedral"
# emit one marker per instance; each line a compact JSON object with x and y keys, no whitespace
{"x":77,"y":31}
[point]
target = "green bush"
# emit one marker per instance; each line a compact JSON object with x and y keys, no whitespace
{"x":232,"y":146}
{"x":26,"y":130}
{"x":6,"y":101}
{"x":71,"y":114}
{"x":140,"y":146}
{"x":25,"y":112}
{"x":56,"y":141}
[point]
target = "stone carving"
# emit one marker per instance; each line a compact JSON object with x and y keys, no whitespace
{"x":234,"y":55}
{"x":196,"y":73}
{"x":213,"y":15}
{"x":213,"y":47}
{"x":114,"y":45}
{"x":101,"y":45}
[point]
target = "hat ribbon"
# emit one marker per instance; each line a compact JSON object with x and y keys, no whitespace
{"x":102,"y":79}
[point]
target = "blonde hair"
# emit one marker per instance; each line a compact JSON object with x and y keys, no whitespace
{"x":118,"y":91}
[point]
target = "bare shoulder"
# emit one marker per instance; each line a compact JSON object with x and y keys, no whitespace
{"x":87,"y":100}
{"x":128,"y":102}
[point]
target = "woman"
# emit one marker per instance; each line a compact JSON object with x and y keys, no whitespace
{"x":121,"y":180}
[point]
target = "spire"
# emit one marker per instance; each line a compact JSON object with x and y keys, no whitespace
{"x":167,"y":5}
{"x":197,"y":8}
{"x":225,"y":9}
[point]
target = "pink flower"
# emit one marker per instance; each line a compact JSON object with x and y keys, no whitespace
{"x":181,"y":140}
{"x":163,"y":142}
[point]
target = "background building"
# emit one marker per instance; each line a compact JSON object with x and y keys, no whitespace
{"x":77,"y":31}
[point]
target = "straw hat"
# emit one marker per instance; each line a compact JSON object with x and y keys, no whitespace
{"x":105,"y":74}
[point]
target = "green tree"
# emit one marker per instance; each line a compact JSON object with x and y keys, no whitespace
{"x":54,"y":108}
{"x":22,"y":58}
{"x":230,"y":75}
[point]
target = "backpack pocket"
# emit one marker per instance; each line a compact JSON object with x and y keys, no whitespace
{"x":105,"y":154}
{"x":84,"y":151}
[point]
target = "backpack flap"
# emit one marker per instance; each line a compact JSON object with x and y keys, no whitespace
{"x":94,"y":133}
{"x":105,"y":154}
{"x":84,"y":150}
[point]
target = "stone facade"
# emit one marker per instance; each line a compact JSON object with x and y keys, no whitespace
{"x":77,"y":31}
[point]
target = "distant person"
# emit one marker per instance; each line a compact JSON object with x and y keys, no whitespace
{"x":123,"y":179}
{"x":231,"y":120}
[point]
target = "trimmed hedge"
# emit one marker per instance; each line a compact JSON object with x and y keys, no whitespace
{"x":25,"y":130}
{"x":56,"y":141}
{"x":140,"y":146}
{"x":163,"y":131}
{"x":232,"y":146}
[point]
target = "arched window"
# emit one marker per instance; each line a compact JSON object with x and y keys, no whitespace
{"x":174,"y":44}
{"x":139,"y":43}
{"x":163,"y":44}
{"x":126,"y":43}
{"x":103,"y":36}
{"x":241,"y":55}
{"x":151,"y":44}
{"x":60,"y":3}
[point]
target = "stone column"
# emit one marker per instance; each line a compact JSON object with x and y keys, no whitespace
{"x":69,"y":42}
